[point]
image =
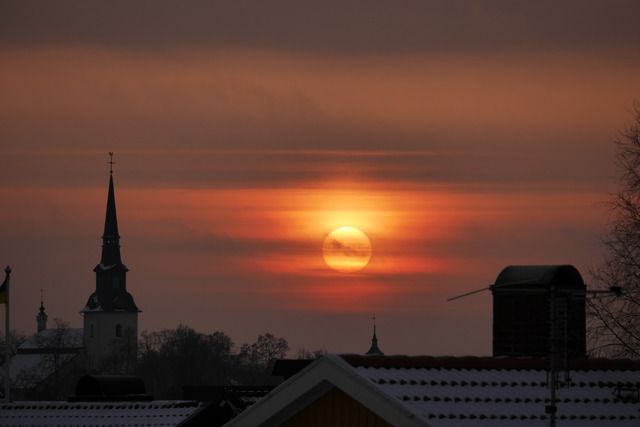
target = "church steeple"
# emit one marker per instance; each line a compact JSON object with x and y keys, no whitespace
{"x":111,"y":274}
{"x":110,"y":312}
{"x":374,"y":350}
{"x":42,"y":317}
{"x":110,"y":237}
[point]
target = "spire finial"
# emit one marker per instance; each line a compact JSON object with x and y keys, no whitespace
{"x":111,"y":162}
{"x":41,"y":297}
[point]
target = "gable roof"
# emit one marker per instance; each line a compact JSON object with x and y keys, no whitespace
{"x":314,"y":381}
{"x":469,"y":391}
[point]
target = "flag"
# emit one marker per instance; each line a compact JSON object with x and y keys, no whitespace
{"x":3,"y":292}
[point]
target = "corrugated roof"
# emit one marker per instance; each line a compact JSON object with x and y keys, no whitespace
{"x":476,"y":362}
{"x":156,"y":413}
{"x":479,"y":391}
{"x":462,"y":391}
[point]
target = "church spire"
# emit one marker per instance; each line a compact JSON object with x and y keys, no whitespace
{"x":42,"y":317}
{"x":110,"y":312}
{"x":111,"y":274}
{"x":110,"y":237}
{"x":374,"y":350}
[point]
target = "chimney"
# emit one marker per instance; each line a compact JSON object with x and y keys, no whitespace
{"x":522,"y":321}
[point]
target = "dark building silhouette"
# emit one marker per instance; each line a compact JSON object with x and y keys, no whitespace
{"x":42,"y":317}
{"x":522,"y":318}
{"x":374,"y":350}
{"x":110,"y":312}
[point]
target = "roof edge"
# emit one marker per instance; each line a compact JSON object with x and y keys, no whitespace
{"x":487,"y":362}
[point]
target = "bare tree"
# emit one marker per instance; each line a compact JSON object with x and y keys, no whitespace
{"x":172,"y":358}
{"x":615,"y":322}
{"x":122,"y":355}
{"x":58,"y":363}
{"x":305,"y":354}
{"x":266,"y":349}
{"x":256,"y":359}
{"x":16,"y":338}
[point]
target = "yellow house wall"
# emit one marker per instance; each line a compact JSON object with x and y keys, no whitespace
{"x":336,"y":409}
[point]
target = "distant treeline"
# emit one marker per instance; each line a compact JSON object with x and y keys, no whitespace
{"x":167,"y":360}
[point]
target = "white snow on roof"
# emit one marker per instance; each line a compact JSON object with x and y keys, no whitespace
{"x":467,"y":392}
{"x":97,"y":307}
{"x":155,"y":413}
{"x":477,"y":397}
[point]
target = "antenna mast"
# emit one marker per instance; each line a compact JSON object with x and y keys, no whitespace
{"x":554,"y":294}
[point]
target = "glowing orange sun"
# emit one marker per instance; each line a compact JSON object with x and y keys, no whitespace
{"x":346,"y":249}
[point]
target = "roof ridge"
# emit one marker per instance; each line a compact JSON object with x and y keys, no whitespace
{"x":483,"y":362}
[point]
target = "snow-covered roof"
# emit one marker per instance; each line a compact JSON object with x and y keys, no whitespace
{"x":120,"y":302}
{"x":470,"y":391}
{"x":106,"y":267}
{"x":154,"y":413}
{"x":92,"y":305}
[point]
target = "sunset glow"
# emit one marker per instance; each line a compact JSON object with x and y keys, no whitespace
{"x":459,"y":137}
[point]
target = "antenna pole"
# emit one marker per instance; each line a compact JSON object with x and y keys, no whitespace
{"x":551,"y":408}
{"x":7,"y":341}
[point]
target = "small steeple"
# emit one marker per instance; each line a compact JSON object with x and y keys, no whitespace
{"x":374,"y":350}
{"x":42,"y":316}
{"x":110,"y":237}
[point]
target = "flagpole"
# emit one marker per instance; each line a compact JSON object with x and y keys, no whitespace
{"x":7,"y":343}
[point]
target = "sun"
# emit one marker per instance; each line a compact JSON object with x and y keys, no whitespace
{"x":346,"y":249}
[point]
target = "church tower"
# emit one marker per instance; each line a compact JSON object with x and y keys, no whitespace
{"x":42,"y":317}
{"x":110,"y":315}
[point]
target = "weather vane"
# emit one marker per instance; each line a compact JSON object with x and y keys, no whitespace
{"x":111,"y":162}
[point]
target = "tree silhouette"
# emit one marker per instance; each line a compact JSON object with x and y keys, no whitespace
{"x":122,"y":355}
{"x":256,"y":359}
{"x":16,"y":338}
{"x":59,"y":363}
{"x":615,"y":322}
{"x":172,"y":358}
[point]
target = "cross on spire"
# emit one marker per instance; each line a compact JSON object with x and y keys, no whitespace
{"x":111,"y":162}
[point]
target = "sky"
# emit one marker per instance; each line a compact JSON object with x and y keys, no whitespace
{"x":460,"y":137}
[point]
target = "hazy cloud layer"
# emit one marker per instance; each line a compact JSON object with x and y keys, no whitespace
{"x":461,"y":137}
{"x":343,"y":27}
